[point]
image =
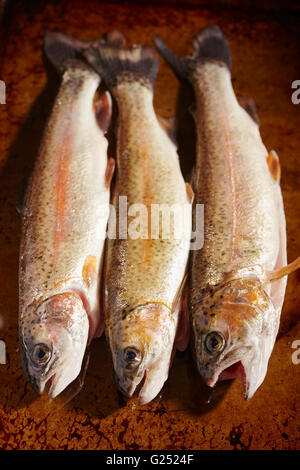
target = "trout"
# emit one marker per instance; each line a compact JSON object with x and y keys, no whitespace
{"x":145,"y":268}
{"x":236,"y":284}
{"x":64,"y":221}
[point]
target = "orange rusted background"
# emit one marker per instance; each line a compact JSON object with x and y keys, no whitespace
{"x":186,"y":415}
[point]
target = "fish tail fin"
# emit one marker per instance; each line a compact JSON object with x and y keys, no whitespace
{"x":209,"y":44}
{"x":63,"y":51}
{"x":116,"y":63}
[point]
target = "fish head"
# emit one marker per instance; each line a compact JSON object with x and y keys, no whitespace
{"x":141,"y":345}
{"x":53,"y":340}
{"x":234,"y":331}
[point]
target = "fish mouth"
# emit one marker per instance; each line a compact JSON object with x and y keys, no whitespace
{"x":146,"y":388}
{"x":249,"y":363}
{"x":50,"y":387}
{"x":46,"y":387}
{"x":140,"y":386}
{"x":234,"y":370}
{"x":134,"y":387}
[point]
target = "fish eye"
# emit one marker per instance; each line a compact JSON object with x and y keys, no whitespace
{"x":214,"y":342}
{"x":41,"y":354}
{"x":132,"y":357}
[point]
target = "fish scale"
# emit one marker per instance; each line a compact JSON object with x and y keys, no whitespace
{"x":55,"y":230}
{"x":144,"y":271}
{"x":237,"y":280}
{"x":150,"y":175}
{"x":143,"y":276}
{"x":63,"y":228}
{"x":233,"y":182}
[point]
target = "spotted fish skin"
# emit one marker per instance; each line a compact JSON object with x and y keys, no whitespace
{"x":234,"y":308}
{"x":144,"y":276}
{"x":148,"y":173}
{"x":63,"y":231}
{"x":233,"y":181}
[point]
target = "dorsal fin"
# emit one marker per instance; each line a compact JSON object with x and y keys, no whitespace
{"x":249,"y":105}
{"x":170,"y":126}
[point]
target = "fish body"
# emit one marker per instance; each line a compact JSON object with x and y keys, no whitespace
{"x":143,"y":275}
{"x":234,"y":307}
{"x":63,"y":231}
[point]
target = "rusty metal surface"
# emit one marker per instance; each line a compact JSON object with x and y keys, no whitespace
{"x":186,"y":415}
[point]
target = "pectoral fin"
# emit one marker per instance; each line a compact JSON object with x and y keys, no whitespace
{"x":274,"y":166}
{"x":183,"y":329}
{"x":189,"y":192}
{"x":285,"y":271}
{"x":192,"y":110}
{"x":109,"y":172}
{"x":89,"y":270}
{"x":170,"y":125}
{"x":22,"y":194}
{"x":103,"y":110}
{"x":249,"y":105}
